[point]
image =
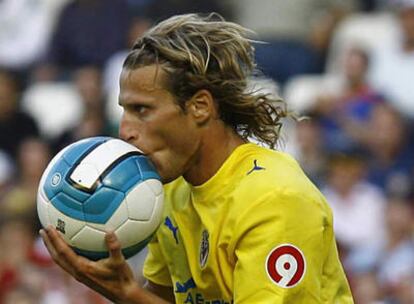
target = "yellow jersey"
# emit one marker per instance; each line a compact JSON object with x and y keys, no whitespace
{"x":258,"y":231}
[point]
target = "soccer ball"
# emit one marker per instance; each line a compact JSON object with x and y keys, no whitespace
{"x":99,"y":184}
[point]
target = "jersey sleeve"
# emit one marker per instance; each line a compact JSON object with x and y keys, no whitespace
{"x":285,"y":252}
{"x":155,"y":267}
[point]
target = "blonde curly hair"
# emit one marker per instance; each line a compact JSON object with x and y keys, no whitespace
{"x":207,"y":52}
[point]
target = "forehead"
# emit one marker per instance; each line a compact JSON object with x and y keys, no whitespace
{"x":147,"y":78}
{"x":144,"y":84}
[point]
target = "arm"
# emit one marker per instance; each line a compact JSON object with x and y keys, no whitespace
{"x":162,"y":291}
{"x":111,"y":277}
{"x":286,"y":243}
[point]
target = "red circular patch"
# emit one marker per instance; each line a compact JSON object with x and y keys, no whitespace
{"x":286,"y":265}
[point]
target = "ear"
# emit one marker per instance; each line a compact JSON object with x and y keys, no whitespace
{"x":202,"y":106}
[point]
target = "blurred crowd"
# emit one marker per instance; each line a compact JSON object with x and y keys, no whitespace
{"x":346,"y":67}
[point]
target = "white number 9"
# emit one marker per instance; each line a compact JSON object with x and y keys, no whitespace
{"x":286,"y":265}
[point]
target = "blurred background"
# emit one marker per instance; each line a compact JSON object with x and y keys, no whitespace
{"x":348,"y":65}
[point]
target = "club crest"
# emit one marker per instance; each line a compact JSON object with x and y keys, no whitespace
{"x":204,"y":248}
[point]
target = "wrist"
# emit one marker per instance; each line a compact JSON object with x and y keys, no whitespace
{"x":132,"y":293}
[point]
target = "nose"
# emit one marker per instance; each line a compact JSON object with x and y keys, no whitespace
{"x":126,"y":130}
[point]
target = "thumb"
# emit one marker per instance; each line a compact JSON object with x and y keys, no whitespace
{"x":114,"y":246}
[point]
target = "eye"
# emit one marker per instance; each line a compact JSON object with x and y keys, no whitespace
{"x":140,"y":110}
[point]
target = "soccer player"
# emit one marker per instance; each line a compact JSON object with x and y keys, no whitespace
{"x":242,"y":223}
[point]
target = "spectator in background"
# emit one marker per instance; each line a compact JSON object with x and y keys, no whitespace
{"x":391,"y":150}
{"x":162,"y":9}
{"x":22,"y":295}
{"x":26,"y":278}
{"x":25,"y":30}
{"x":88,"y":32}
{"x":396,"y":267}
{"x":365,"y":288}
{"x":33,"y":157}
{"x":357,"y":205}
{"x":15,"y":125}
{"x":376,"y":5}
{"x":345,"y":113}
{"x":113,"y":67}
{"x":392,"y":69}
{"x":298,"y":33}
{"x":88,"y":81}
{"x":25,"y":268}
{"x":309,"y":148}
{"x":16,"y":240}
{"x":6,"y":172}
{"x":391,"y":257}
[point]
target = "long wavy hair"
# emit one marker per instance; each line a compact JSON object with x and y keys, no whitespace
{"x":207,"y":52}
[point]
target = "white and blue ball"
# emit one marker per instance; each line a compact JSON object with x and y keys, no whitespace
{"x":99,"y":184}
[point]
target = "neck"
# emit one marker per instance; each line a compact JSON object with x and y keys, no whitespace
{"x":409,"y":45}
{"x":213,"y":151}
{"x":395,"y":239}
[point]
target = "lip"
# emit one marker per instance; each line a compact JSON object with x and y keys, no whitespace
{"x":141,"y":150}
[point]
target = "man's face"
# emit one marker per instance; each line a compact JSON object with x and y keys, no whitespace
{"x":407,"y":22}
{"x":8,"y":96}
{"x":154,"y":122}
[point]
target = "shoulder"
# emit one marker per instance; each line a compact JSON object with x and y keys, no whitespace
{"x":273,"y":173}
{"x":272,"y":184}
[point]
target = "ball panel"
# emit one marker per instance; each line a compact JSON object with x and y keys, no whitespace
{"x":68,"y":206}
{"x":55,"y":178}
{"x":155,"y":185}
{"x":127,"y":252}
{"x":146,"y":168}
{"x":85,"y":175}
{"x":82,"y":147}
{"x":52,"y":163}
{"x":124,"y":175}
{"x":140,"y":201}
{"x":102,"y":204}
{"x":99,"y":160}
{"x":92,"y":255}
{"x":119,"y":217}
{"x":132,"y":231}
{"x":134,"y":249}
{"x":67,"y":225}
{"x":42,"y":208}
{"x":77,"y":194}
{"x":118,"y":146}
{"x":90,"y":239}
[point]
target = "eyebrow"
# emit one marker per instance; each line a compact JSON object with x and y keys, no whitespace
{"x":133,"y":101}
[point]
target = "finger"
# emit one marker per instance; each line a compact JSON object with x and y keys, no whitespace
{"x":114,"y":247}
{"x":63,"y":251}
{"x":53,"y":252}
{"x":79,"y":267}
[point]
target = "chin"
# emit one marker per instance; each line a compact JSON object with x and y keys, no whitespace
{"x":165,"y":170}
{"x":165,"y":178}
